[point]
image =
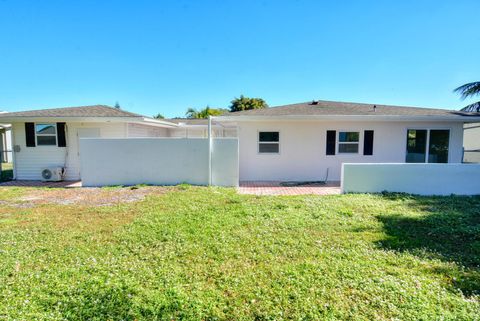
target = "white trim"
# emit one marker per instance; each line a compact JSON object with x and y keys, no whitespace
{"x":158,"y":122}
{"x":447,"y":118}
{"x":14,"y":157}
{"x":337,"y":145}
{"x":269,"y":142}
{"x":24,"y":119}
{"x":46,"y":135}
{"x":209,"y":150}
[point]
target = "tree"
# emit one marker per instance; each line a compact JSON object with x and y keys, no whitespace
{"x":117,"y":105}
{"x":204,"y":113}
{"x":470,"y":90}
{"x":245,"y":103}
{"x":158,"y":116}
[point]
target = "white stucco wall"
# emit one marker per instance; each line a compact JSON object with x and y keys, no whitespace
{"x":423,"y":179}
{"x":158,"y":161}
{"x":303,"y":148}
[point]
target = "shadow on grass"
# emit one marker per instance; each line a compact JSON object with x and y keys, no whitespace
{"x":445,"y":228}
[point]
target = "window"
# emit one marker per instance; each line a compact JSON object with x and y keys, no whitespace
{"x":46,"y":134}
{"x":348,"y":142}
{"x":416,"y":146}
{"x":268,"y":142}
{"x":438,"y":146}
{"x":427,"y":145}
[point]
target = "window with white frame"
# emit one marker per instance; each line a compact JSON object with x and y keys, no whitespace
{"x":348,"y":142}
{"x":268,"y":142}
{"x":46,"y":134}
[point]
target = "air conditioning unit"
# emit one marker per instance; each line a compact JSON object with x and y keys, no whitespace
{"x":53,"y":174}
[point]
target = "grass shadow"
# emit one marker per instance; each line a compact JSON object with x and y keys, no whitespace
{"x":445,"y":228}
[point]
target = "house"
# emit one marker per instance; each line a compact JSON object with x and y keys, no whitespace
{"x":300,"y":142}
{"x":49,"y":137}
{"x":310,"y":141}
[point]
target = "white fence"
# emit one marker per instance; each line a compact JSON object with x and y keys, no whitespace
{"x":158,"y":161}
{"x":422,"y":179}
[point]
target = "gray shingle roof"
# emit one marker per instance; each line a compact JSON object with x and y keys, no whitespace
{"x":335,"y":108}
{"x":83,"y":111}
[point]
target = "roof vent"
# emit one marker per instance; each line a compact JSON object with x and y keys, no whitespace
{"x":314,"y":102}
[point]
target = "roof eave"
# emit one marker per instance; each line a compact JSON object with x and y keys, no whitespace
{"x":77,"y":119}
{"x":449,"y":118}
{"x":158,"y":122}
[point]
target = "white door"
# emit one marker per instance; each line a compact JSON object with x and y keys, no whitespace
{"x":85,"y":133}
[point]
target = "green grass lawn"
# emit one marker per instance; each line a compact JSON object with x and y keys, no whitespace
{"x":7,"y":172}
{"x":210,"y":254}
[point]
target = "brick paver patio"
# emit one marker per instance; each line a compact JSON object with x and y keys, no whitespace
{"x":274,"y":188}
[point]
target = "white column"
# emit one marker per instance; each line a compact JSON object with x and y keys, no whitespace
{"x":209,"y":150}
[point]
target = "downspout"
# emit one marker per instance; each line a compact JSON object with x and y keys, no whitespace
{"x":209,"y":150}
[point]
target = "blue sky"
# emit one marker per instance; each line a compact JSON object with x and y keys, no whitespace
{"x":165,"y":56}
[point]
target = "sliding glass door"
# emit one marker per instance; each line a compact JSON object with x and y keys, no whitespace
{"x":438,"y":146}
{"x":416,"y":146}
{"x":427,"y":145}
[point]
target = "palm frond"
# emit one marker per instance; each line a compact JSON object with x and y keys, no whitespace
{"x":472,"y":108}
{"x":468,"y":90}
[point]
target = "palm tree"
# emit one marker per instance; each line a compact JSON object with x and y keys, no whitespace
{"x":470,"y":90}
{"x":192,"y":113}
{"x":204,"y":113}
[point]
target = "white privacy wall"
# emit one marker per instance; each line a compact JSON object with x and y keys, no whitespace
{"x":157,"y":161}
{"x":302,"y":148}
{"x":422,"y":179}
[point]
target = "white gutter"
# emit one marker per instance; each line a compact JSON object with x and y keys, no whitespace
{"x":13,"y":119}
{"x":20,"y":119}
{"x":158,"y":122}
{"x":452,"y":118}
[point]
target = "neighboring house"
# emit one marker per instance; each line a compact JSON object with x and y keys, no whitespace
{"x":307,"y":141}
{"x":472,"y":143}
{"x":49,"y":137}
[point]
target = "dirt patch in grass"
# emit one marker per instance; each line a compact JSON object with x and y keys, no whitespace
{"x":109,"y":196}
{"x":83,"y":210}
